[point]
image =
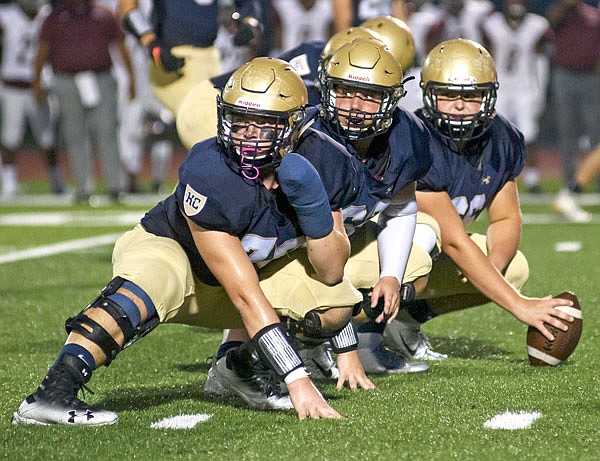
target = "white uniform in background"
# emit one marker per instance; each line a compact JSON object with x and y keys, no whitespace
{"x":419,"y":22}
{"x":522,"y":70}
{"x":133,"y":114}
{"x":467,"y":24}
{"x":19,"y":107}
{"x":300,"y":25}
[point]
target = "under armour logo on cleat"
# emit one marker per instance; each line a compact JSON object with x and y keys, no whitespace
{"x":73,"y":414}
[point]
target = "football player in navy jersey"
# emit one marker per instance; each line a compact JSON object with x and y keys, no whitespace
{"x":477,"y":156}
{"x":180,"y":41}
{"x":243,"y":199}
{"x":196,"y":119}
{"x":361,"y":85}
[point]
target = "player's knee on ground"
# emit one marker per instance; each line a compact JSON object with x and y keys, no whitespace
{"x":122,"y":313}
{"x":517,"y":272}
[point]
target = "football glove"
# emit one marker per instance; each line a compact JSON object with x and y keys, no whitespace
{"x":163,"y":58}
{"x":247,"y":29}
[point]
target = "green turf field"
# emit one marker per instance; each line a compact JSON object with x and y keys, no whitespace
{"x":439,"y":415}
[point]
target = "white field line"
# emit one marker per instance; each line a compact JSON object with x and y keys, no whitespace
{"x":182,"y":421}
{"x":71,"y":218}
{"x":512,"y":420}
{"x":111,"y":218}
{"x":56,"y":248}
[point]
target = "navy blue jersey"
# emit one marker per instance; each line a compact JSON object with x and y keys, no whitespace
{"x":472,"y":180}
{"x":216,"y":197}
{"x":304,"y":59}
{"x":190,"y":22}
{"x":395,"y":159}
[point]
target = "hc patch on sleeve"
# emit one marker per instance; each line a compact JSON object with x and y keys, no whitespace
{"x":193,"y":202}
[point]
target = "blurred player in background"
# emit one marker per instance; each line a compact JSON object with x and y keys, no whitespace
{"x":86,"y":88}
{"x":518,"y":41}
{"x":143,"y":121}
{"x":477,"y":156}
{"x":302,"y":21}
{"x":350,"y":13}
{"x":575,"y":93}
{"x":458,"y":19}
{"x":180,"y":41}
{"x":20,"y":23}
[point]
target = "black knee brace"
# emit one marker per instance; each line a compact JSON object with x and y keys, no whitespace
{"x":94,"y":332}
{"x":312,"y":327}
{"x":407,"y":294}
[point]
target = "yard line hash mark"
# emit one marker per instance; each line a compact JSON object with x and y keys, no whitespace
{"x":61,"y":247}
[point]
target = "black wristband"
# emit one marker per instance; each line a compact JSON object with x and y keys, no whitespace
{"x":345,"y":340}
{"x":275,"y":350}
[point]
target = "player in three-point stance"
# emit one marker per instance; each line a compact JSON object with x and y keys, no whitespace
{"x":243,"y":199}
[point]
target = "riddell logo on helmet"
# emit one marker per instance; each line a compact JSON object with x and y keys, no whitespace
{"x":360,"y":78}
{"x":462,"y":79}
{"x":246,"y":103}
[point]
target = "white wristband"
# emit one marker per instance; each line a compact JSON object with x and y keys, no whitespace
{"x":295,"y":375}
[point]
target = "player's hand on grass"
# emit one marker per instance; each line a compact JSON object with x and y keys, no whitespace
{"x":308,"y":401}
{"x":387,"y":288}
{"x":540,"y":312}
{"x":352,"y":372}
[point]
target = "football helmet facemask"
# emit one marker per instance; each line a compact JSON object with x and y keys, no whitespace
{"x":260,"y":113}
{"x":396,"y":34}
{"x":459,"y":66}
{"x":364,"y":66}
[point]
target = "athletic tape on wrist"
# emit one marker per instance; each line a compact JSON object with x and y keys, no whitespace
{"x":135,"y":22}
{"x":295,"y":375}
{"x":345,"y":340}
{"x":276,"y":350}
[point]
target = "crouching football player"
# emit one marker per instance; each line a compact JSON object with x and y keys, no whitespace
{"x":243,"y":198}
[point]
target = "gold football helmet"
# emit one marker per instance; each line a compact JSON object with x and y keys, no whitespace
{"x":459,"y":65}
{"x":366,"y":66}
{"x":343,"y":37}
{"x":396,"y":34}
{"x":269,"y":95}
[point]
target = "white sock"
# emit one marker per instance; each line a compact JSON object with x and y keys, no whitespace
{"x":9,"y":180}
{"x":531,"y":177}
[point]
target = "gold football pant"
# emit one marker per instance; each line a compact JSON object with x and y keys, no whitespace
{"x":170,"y":88}
{"x":161,"y":268}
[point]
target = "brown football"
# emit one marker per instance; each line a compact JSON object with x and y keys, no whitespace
{"x":543,"y":352}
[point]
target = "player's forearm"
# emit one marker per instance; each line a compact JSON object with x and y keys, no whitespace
{"x":328,"y":255}
{"x":503,"y":240}
{"x":397,"y":228}
{"x":479,"y":271}
{"x":135,"y":22}
{"x":342,"y":15}
{"x":239,"y":279}
{"x":126,"y":57}
{"x":40,"y":59}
